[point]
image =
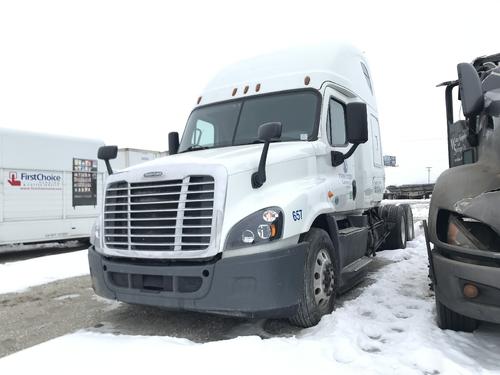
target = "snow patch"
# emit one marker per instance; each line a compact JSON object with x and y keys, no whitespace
{"x":67,"y":296}
{"x":111,"y":304}
{"x":40,"y":246}
{"x":19,"y":276}
{"x":389,"y":328}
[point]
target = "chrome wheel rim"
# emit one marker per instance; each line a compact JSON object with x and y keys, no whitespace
{"x":324,"y":278}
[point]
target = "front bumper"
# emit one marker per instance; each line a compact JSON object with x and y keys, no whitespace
{"x":450,"y":277}
{"x":259,"y":285}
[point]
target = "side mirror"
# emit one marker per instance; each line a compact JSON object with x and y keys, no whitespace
{"x":471,"y":91}
{"x":107,"y":153}
{"x":357,"y":123}
{"x":266,"y":132}
{"x":269,"y":130}
{"x":173,"y":143}
{"x":357,"y":131}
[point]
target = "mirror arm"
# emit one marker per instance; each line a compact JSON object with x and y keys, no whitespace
{"x":108,"y":167}
{"x":338,"y":157}
{"x":259,"y":177}
{"x":107,"y":153}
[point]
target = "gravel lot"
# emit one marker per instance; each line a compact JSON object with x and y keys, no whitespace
{"x":51,"y":310}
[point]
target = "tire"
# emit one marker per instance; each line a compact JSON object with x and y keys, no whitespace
{"x":410,"y":229}
{"x":382,"y":211}
{"x":325,"y":276}
{"x":449,"y":319}
{"x":397,"y":236}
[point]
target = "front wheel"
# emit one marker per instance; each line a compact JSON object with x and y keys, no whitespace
{"x":320,"y":283}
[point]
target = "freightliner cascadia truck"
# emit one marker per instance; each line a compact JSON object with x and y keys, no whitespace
{"x":464,"y":214}
{"x":269,"y":206}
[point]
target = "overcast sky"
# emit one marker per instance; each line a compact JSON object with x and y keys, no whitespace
{"x":129,"y":72}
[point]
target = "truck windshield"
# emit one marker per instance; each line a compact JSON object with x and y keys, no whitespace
{"x":236,"y":122}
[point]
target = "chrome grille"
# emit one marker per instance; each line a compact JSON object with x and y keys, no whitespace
{"x":172,"y":215}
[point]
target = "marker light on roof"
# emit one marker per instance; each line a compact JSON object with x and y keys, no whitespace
{"x":307,"y":79}
{"x":257,"y":87}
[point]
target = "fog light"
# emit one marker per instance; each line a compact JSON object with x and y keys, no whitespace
{"x":247,"y":236}
{"x":264,"y":231}
{"x":470,"y":291}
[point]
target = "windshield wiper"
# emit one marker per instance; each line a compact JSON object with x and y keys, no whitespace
{"x":194,"y":148}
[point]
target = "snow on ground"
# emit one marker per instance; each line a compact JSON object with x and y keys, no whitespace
{"x":18,"y":276}
{"x":39,"y":246}
{"x":389,"y":329}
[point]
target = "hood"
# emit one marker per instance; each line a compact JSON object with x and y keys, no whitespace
{"x":234,"y":159}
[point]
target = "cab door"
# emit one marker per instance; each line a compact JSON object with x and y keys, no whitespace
{"x":335,"y":136}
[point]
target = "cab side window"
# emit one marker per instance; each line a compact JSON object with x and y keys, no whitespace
{"x":335,"y":126}
{"x":203,"y":134}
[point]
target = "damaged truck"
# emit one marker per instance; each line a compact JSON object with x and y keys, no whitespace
{"x":464,"y":218}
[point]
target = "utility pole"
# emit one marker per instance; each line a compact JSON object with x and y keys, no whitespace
{"x":428,"y":174}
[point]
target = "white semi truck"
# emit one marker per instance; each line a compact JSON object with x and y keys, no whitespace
{"x":269,"y":205}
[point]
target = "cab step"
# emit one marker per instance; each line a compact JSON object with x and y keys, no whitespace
{"x":357,"y":265}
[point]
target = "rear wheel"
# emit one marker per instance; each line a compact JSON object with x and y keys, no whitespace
{"x":397,"y":237}
{"x":449,"y":319}
{"x":320,"y":280}
{"x":410,"y":229}
{"x":383,"y":211}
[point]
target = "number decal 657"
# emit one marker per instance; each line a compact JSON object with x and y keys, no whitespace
{"x":297,"y":215}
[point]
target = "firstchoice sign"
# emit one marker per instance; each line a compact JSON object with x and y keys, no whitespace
{"x":35,"y":180}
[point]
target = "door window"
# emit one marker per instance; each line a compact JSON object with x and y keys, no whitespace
{"x":335,"y":126}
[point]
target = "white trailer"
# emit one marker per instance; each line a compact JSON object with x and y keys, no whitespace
{"x":50,"y":186}
{"x":128,"y":157}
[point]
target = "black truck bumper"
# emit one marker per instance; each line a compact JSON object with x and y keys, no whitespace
{"x":451,"y":276}
{"x":259,"y":285}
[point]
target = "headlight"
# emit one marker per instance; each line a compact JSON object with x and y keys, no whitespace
{"x":471,"y":233}
{"x":260,"y":227}
{"x":95,"y":232}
